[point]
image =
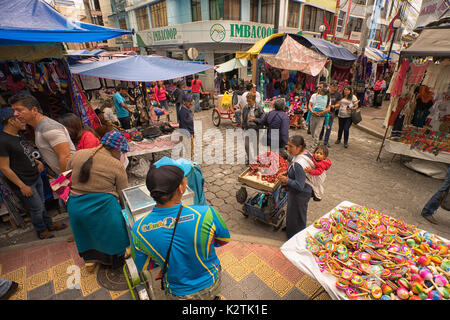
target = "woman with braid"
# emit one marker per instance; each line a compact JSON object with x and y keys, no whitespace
{"x":98,"y":178}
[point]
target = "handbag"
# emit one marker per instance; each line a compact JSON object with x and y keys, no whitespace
{"x":445,"y":200}
{"x":356,"y":116}
{"x":61,"y":185}
{"x":164,"y":268}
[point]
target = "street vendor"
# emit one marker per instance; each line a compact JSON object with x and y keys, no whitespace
{"x":251,"y":116}
{"x":180,"y":239}
{"x":299,"y":191}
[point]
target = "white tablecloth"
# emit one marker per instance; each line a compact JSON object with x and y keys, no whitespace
{"x":295,"y":251}
{"x":403,"y":148}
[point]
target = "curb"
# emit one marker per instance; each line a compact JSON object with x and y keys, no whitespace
{"x":234,"y":237}
{"x":369,"y":131}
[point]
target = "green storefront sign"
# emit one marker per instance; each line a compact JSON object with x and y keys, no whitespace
{"x":165,"y":34}
{"x":247,"y":31}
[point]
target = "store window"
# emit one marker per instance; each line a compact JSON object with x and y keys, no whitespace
{"x":354,"y":24}
{"x":267,"y":11}
{"x":143,"y":22}
{"x":313,"y":18}
{"x":232,"y":9}
{"x":123,"y":24}
{"x":215,"y":9}
{"x":341,"y":21}
{"x":293,"y":14}
{"x":196,"y":10}
{"x":254,"y":10}
{"x":159,"y":14}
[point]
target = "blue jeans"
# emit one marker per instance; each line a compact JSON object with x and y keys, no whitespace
{"x":327,"y":131}
{"x":36,"y":204}
{"x":165,"y":105}
{"x":196,"y":97}
{"x":434,"y":203}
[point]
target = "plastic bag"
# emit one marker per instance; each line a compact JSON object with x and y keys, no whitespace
{"x":140,"y":169}
{"x":227,"y":100}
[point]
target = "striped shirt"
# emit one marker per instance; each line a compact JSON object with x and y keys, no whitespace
{"x":193,"y":264}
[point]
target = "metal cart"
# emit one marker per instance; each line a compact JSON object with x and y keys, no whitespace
{"x":139,"y":203}
{"x":273,"y":213}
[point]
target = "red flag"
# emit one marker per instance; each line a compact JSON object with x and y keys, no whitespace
{"x":328,"y":28}
{"x":391,"y":28}
{"x":381,"y":41}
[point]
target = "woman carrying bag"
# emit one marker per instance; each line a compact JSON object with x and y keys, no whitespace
{"x":349,"y":103}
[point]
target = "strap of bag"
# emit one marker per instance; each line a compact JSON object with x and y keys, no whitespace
{"x":164,"y":269}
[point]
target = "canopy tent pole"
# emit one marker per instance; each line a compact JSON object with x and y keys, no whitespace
{"x":382,"y":143}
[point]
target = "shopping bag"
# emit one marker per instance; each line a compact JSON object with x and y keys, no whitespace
{"x":227,"y":100}
{"x":356,"y":116}
{"x":61,"y":185}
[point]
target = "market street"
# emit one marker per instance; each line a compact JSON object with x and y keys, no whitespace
{"x":355,"y":176}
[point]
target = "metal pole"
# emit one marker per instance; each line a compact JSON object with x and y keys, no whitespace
{"x":390,"y":50}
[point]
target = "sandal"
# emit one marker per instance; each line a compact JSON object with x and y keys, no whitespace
{"x":45,"y":235}
{"x":57,"y":226}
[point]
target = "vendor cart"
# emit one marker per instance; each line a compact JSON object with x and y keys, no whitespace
{"x":267,"y":204}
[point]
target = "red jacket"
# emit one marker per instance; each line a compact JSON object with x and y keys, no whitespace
{"x":321,"y":166}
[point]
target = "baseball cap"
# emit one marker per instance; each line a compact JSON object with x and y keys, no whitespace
{"x":187,"y":97}
{"x":6,"y":113}
{"x":164,"y":179}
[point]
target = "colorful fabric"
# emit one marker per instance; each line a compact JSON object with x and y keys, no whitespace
{"x":97,"y":223}
{"x":293,"y":56}
{"x":417,"y":72}
{"x":116,"y":140}
{"x":193,"y":264}
{"x":401,"y":76}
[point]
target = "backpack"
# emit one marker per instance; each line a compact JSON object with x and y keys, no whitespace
{"x":151,"y":132}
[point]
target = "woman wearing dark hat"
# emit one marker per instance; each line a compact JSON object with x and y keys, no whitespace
{"x":98,"y":178}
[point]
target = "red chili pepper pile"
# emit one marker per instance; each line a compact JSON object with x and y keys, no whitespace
{"x":269,"y":165}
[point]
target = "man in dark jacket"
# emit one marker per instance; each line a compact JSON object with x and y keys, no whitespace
{"x":277,"y":120}
{"x":186,"y":120}
{"x":178,"y":94}
{"x":251,"y":115}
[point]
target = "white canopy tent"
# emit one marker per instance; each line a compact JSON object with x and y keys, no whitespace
{"x":231,"y":65}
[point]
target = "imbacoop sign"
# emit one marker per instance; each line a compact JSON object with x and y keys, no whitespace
{"x":207,"y":31}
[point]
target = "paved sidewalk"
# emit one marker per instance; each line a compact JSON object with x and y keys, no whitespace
{"x":251,"y":270}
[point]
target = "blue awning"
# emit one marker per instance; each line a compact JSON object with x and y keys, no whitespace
{"x":324,"y":47}
{"x":35,"y":21}
{"x":139,"y":68}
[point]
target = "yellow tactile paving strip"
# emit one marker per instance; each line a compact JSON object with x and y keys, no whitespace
{"x":238,"y":259}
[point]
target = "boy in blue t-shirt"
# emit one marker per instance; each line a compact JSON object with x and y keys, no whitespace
{"x":122,"y":110}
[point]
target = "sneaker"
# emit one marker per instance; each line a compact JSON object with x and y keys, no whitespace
{"x":57,"y":226}
{"x":45,"y":235}
{"x":430,"y":219}
{"x":338,"y":141}
{"x":12,"y":289}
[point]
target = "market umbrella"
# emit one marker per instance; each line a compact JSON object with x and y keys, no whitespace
{"x":139,"y":68}
{"x":293,"y":56}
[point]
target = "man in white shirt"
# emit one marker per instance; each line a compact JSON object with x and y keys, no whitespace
{"x":51,"y":137}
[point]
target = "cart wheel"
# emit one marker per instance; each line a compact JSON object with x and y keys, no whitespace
{"x":216,"y":117}
{"x":241,"y":195}
{"x":244,"y":211}
{"x":279,"y":221}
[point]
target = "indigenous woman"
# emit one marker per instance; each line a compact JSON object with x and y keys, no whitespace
{"x":98,"y":178}
{"x":299,"y":191}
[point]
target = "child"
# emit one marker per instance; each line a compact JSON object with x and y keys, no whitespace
{"x":320,"y":104}
{"x":317,"y":175}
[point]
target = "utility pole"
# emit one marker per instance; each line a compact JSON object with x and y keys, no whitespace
{"x":365,"y":26}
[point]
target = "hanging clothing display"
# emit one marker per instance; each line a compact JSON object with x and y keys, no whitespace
{"x":401,"y":76}
{"x":417,"y":72}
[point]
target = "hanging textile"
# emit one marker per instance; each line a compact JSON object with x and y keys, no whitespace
{"x":401,"y":76}
{"x":417,"y":72}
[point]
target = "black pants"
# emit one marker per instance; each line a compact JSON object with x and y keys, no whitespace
{"x":297,"y":209}
{"x":344,"y":127}
{"x":125,"y":123}
{"x":177,"y":110}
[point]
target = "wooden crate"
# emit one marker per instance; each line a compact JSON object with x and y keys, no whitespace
{"x":261,"y":186}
